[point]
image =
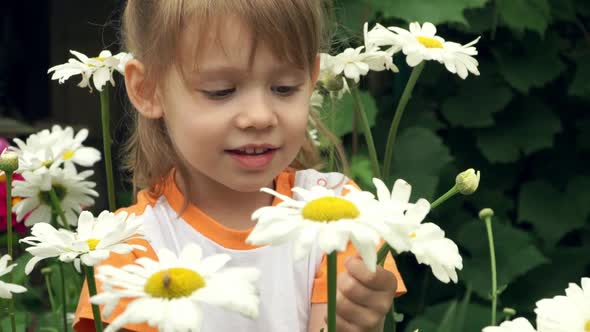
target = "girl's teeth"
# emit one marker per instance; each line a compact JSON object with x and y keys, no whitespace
{"x":253,"y":150}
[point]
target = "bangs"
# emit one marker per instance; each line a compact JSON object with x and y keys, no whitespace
{"x":291,"y":29}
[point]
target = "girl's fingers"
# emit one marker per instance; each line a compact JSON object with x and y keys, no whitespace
{"x":359,"y":294}
{"x":379,"y":280}
{"x":355,"y":314}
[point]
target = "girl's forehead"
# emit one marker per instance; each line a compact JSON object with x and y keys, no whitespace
{"x":227,"y":41}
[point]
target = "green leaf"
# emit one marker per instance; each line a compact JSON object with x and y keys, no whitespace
{"x":479,"y":317}
{"x":360,"y":171}
{"x":519,"y":15}
{"x":554,"y":213}
{"x":526,"y":128}
{"x":419,"y":155}
{"x":345,"y":112}
{"x":476,"y":102}
{"x":21,"y":321}
{"x":434,"y":11}
{"x":563,"y":10}
{"x":515,"y":254}
{"x":531,"y":63}
{"x":580,"y":86}
{"x":565,"y":265}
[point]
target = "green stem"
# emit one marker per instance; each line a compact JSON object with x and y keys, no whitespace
{"x":9,"y":211}
{"x":11,"y":310}
{"x":64,"y":302}
{"x":46,"y":274}
{"x":360,"y":110}
{"x":57,"y":209}
{"x":495,"y":15}
{"x":106,"y":140}
{"x":399,"y":111}
{"x":89,"y":272}
{"x":452,"y":192}
{"x":332,"y":272}
{"x":332,"y":119}
{"x":493,"y":268}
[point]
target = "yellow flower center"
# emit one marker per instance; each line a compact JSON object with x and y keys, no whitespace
{"x":173,"y":283}
{"x":99,"y":58}
{"x":92,"y":243}
{"x":587,"y":326}
{"x":327,"y":209}
{"x":413,"y":235}
{"x":68,"y":154}
{"x":429,"y":42}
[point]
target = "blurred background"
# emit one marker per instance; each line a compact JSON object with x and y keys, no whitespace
{"x":525,"y":123}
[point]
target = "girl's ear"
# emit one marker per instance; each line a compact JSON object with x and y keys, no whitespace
{"x":141,"y":93}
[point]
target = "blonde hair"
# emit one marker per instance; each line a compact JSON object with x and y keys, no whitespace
{"x":151,"y":30}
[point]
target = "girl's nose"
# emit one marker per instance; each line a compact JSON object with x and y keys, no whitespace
{"x":257,"y":112}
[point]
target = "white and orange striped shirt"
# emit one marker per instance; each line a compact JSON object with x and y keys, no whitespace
{"x":287,"y":287}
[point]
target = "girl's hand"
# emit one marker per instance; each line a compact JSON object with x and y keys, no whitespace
{"x":363,"y":297}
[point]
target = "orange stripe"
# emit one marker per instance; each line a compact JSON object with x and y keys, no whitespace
{"x":215,"y":231}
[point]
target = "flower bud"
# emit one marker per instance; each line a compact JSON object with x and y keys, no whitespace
{"x":486,"y":213}
{"x":509,"y":312}
{"x":467,"y":181}
{"x":335,"y":84}
{"x":9,"y":162}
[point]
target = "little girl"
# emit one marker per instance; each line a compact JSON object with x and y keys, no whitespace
{"x":221,"y":92}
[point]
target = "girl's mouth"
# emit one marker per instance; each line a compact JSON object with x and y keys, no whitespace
{"x":252,"y":158}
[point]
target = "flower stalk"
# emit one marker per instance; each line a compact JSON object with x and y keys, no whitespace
{"x":8,"y":164}
{"x":360,"y":110}
{"x":399,"y":111}
{"x":332,"y":273}
{"x":57,"y":209}
{"x":64,"y":302}
{"x":89,"y":272}
{"x":486,"y":216}
{"x":106,"y":139}
{"x":56,"y":205}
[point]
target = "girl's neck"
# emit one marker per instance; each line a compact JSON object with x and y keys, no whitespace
{"x":228,"y":207}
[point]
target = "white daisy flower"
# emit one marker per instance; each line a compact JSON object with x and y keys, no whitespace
{"x":421,"y":43}
{"x":73,"y":191}
{"x":402,"y":228}
{"x":336,"y":84}
{"x":92,"y":243}
{"x":431,"y":247}
{"x":569,"y":313}
{"x":517,"y":325}
{"x":321,"y":217}
{"x":99,"y":68}
{"x":51,"y":148}
{"x":401,"y":219}
{"x":354,"y":63}
{"x":381,"y":36}
{"x":313,"y":135}
{"x":167,"y":294}
{"x":6,"y":289}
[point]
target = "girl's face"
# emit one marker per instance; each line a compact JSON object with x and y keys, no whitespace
{"x":239,"y":118}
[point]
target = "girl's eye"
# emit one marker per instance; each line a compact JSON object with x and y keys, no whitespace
{"x":218,"y":94}
{"x":284,"y":90}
